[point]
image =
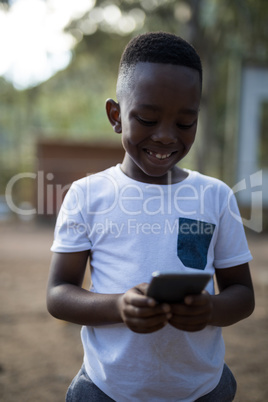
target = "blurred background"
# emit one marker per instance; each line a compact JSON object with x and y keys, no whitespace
{"x":58,"y":64}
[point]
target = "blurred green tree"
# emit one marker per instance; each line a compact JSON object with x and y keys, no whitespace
{"x":226,"y":33}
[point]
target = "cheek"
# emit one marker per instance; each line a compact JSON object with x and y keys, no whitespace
{"x":132,"y":133}
{"x":188,"y":141}
{"x":190,"y":137}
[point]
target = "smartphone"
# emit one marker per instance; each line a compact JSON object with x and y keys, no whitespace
{"x":172,"y":287}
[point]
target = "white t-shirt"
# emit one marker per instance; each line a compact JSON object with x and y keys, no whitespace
{"x":133,"y":229}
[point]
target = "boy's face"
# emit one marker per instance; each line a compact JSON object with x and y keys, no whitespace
{"x":158,"y":119}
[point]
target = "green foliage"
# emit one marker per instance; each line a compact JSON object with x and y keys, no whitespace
{"x":226,"y":33}
{"x":72,"y":103}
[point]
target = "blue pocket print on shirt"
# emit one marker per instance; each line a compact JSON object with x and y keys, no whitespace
{"x":194,"y":238}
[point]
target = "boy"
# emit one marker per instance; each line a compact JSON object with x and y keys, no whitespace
{"x":143,"y":215}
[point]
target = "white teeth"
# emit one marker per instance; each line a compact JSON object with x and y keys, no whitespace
{"x":159,"y":156}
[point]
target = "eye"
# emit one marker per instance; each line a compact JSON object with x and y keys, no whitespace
{"x":145,"y":122}
{"x":187,"y":126}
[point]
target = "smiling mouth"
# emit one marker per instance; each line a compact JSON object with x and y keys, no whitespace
{"x":158,"y":155}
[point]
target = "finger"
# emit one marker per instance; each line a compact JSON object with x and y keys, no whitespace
{"x":139,"y":300}
{"x":142,"y":288}
{"x":183,"y":310}
{"x":137,"y":311}
{"x":191,"y":328}
{"x":148,"y":330}
{"x":146,"y":325}
{"x":136,"y":297}
{"x":189,"y":322}
{"x":191,"y":311}
{"x":197,"y":300}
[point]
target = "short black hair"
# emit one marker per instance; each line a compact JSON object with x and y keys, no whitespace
{"x":157,"y":47}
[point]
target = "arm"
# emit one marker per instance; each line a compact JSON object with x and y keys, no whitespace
{"x":236,"y":298}
{"x":234,"y":302}
{"x":67,"y":300}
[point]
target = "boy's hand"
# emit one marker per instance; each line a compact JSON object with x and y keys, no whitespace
{"x":194,"y":314}
{"x":141,"y":313}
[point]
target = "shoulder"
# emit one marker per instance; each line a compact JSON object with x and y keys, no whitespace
{"x":212,"y":191}
{"x":210,"y":182}
{"x":99,"y":191}
{"x":90,"y":187}
{"x":99,"y":177}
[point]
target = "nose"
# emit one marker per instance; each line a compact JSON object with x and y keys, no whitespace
{"x":165,"y":134}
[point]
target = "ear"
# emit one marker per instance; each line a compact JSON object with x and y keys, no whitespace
{"x":114,"y":116}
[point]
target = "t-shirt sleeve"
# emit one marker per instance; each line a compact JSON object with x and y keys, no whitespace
{"x":231,"y":246}
{"x":71,"y":232}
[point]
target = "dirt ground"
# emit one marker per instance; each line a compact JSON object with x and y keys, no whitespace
{"x":39,"y":355}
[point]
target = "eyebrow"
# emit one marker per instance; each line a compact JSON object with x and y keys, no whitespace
{"x":155,"y":108}
{"x":192,"y":112}
{"x":149,"y":107}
